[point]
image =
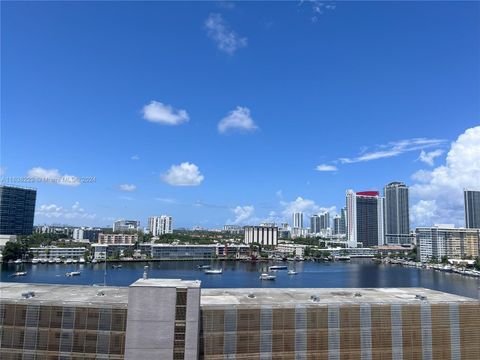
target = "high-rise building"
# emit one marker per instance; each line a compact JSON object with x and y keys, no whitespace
{"x":472,"y":208}
{"x":442,"y":240}
{"x":365,"y":222}
{"x":17,"y":210}
{"x":343,"y":221}
{"x":397,"y":223}
{"x":160,"y":225}
{"x":337,"y":221}
{"x":314,"y":224}
{"x":126,"y":225}
{"x":264,"y":235}
{"x":325,"y":220}
{"x":298,"y":220}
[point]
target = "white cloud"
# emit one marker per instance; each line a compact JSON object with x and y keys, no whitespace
{"x":134,"y":157}
{"x":160,"y":113}
{"x":127,"y":187}
{"x":429,"y":157}
{"x":226,"y":39}
{"x":238,"y":119}
{"x":394,"y":148}
{"x":167,"y":200}
{"x":242,"y":213}
{"x":185,"y":174}
{"x":325,"y":167}
{"x":307,"y":206}
{"x":440,"y":191}
{"x":53,"y":211}
{"x":53,"y":176}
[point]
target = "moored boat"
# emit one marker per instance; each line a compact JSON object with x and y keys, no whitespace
{"x":266,"y":276}
{"x":72,"y":273}
{"x":18,"y":261}
{"x":20,"y":273}
{"x":278,"y":267}
{"x":35,"y":261}
{"x":292,"y":272}
{"x":202,"y":267}
{"x":213,"y":271}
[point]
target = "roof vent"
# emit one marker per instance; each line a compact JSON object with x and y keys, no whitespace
{"x":100,"y":293}
{"x":420,"y":297}
{"x":251,"y":296}
{"x":357,"y":294}
{"x":315,"y":298}
{"x":28,"y":294}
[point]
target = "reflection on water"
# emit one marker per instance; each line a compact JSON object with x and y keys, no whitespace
{"x":357,"y":273}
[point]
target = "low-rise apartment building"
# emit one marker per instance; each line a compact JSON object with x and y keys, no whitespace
{"x":117,"y":238}
{"x":52,"y":252}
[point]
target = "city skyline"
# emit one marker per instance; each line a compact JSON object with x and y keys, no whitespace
{"x":210,"y":114}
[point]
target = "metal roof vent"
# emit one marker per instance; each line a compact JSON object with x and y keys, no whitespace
{"x":357,"y":294}
{"x":251,"y":296}
{"x":100,"y":293}
{"x":420,"y":297}
{"x":28,"y":294}
{"x":315,"y":298}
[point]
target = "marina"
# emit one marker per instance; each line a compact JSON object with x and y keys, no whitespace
{"x":238,"y":274}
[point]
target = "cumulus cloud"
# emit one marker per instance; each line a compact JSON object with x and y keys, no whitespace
{"x":164,"y":114}
{"x":237,"y":120}
{"x":225,"y":38}
{"x":53,"y":211}
{"x":53,"y":176}
{"x":242,"y":213}
{"x":325,"y":167}
{"x":307,"y":206}
{"x":440,"y":191}
{"x":392,"y":149}
{"x":127,"y":187}
{"x":429,"y":157}
{"x":185,"y":174}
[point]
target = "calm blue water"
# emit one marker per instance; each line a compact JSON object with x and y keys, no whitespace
{"x":357,"y":273}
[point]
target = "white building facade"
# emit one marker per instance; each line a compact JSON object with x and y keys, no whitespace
{"x":264,"y":235}
{"x":160,"y":225}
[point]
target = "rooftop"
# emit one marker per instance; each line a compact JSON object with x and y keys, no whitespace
{"x":98,"y":296}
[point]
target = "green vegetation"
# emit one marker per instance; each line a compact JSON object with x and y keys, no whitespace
{"x":184,"y":238}
{"x":14,"y":250}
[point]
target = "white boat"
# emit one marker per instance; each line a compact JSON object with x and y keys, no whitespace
{"x":75,"y":261}
{"x":20,"y":273}
{"x":72,"y":273}
{"x":266,"y":276}
{"x":58,"y":261}
{"x":94,"y":261}
{"x":68,"y":261}
{"x":203,"y":267}
{"x":292,"y":272}
{"x":81,"y":261}
{"x":278,"y":267}
{"x":43,"y":260}
{"x":35,"y":261}
{"x":51,"y":261}
{"x":18,"y":261}
{"x":213,"y":271}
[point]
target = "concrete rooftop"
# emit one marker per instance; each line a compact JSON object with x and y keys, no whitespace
{"x":84,"y":295}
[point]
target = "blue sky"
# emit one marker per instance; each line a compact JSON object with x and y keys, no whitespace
{"x":219,"y":112}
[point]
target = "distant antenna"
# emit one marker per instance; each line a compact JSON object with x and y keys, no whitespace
{"x":145,"y":272}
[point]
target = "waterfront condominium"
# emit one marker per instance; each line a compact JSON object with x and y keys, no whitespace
{"x":170,"y":319}
{"x":264,"y":235}
{"x":17,"y":209}
{"x":298,"y":220}
{"x":337,"y":221}
{"x":442,"y":240}
{"x":472,"y":208}
{"x":160,"y":225}
{"x":314,"y":224}
{"x":397,"y":223}
{"x":364,"y":218}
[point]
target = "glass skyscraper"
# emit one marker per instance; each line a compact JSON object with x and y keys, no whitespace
{"x":17,"y":209}
{"x":472,"y":209}
{"x":397,"y":223}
